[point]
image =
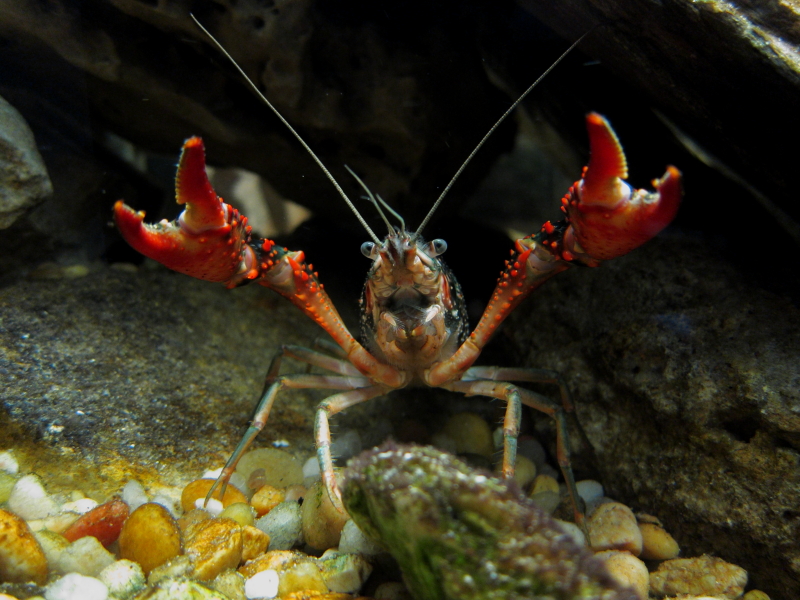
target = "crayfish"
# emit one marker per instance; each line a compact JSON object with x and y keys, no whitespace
{"x":414,"y":328}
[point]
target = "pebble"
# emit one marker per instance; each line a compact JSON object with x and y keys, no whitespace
{"x":80,"y":506}
{"x":392,"y":590}
{"x":544,"y":483}
{"x":214,"y":545}
{"x":263,"y":584}
{"x":231,"y":584}
{"x":180,"y":567}
{"x":346,"y":445}
{"x":8,"y":464}
{"x":150,"y":537}
{"x":344,"y":573}
{"x":613,"y":526}
{"x":547,"y":501}
{"x":182,"y":589}
{"x":627,"y":570}
{"x":236,"y":480}
{"x":7,"y":483}
{"x":589,"y":490}
{"x":284,"y":526}
{"x":123,"y":578}
{"x":755,"y":595}
{"x":76,"y":587}
{"x":266,"y":498}
{"x":532,"y":449}
{"x":274,"y":559}
{"x":573,"y":531}
{"x":254,"y":542}
{"x":524,"y":473}
{"x":354,"y":541}
{"x":29,"y":500}
{"x":104,"y":522}
{"x":241,"y":512}
{"x":302,"y":574}
{"x":322,"y":522}
{"x":657,"y":544}
{"x":85,"y":556}
{"x":198,"y":490}
{"x":703,"y":575}
{"x":133,"y":495}
{"x":471,"y":434}
{"x":21,"y":557}
{"x":52,"y":544}
{"x":281,"y":469}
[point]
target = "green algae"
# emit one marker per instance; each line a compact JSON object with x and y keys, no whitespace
{"x":461,"y":534}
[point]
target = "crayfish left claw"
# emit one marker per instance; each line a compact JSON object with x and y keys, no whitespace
{"x":207,"y":241}
{"x":609,"y":218}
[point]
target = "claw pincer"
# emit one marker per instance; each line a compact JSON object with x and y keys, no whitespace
{"x":609,"y":218}
{"x":207,"y":241}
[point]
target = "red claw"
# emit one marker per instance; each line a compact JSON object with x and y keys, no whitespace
{"x":207,"y":241}
{"x":608,"y":216}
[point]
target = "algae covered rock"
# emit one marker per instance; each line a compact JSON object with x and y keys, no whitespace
{"x":460,"y":534}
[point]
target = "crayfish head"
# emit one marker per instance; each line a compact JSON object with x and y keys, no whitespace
{"x":412,"y":309}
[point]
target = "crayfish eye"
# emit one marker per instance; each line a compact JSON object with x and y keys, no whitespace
{"x":367,"y":249}
{"x":438,"y":247}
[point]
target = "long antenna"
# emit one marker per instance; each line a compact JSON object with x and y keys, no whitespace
{"x":495,"y":126}
{"x":297,"y":135}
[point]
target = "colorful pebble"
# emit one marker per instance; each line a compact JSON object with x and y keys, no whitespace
{"x":150,"y":537}
{"x":21,"y":557}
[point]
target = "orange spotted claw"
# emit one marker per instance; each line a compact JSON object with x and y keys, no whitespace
{"x":609,"y":218}
{"x":207,"y":241}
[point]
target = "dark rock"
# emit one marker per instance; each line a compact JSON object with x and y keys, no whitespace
{"x":686,"y":383}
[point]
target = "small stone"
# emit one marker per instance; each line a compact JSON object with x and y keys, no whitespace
{"x":755,"y":595}
{"x":123,"y":578}
{"x":613,"y":526}
{"x":322,"y":521}
{"x":627,"y":570}
{"x":103,"y":522}
{"x":544,"y":483}
{"x":547,"y":501}
{"x":180,"y":567}
{"x":76,"y":587}
{"x":254,"y":542}
{"x":263,"y":584}
{"x":85,"y":556}
{"x":392,"y":590}
{"x":657,"y":544}
{"x":355,"y":541}
{"x":133,"y":495}
{"x":231,"y":584}
{"x":80,"y":506}
{"x":266,"y":498}
{"x":52,"y":544}
{"x":241,"y":512}
{"x":236,"y":480}
{"x":344,"y":573}
{"x":524,"y":472}
{"x":311,"y":469}
{"x":303,"y":574}
{"x":284,"y":526}
{"x":572,"y":530}
{"x":150,"y":537}
{"x":214,"y":545}
{"x":198,"y":490}
{"x":21,"y":557}
{"x":295,"y":492}
{"x":181,"y":589}
{"x":533,"y":450}
{"x":274,"y":559}
{"x":8,"y":464}
{"x":29,"y":500}
{"x":471,"y":434}
{"x":589,"y":489}
{"x":7,"y":483}
{"x":703,"y":575}
{"x":281,"y":469}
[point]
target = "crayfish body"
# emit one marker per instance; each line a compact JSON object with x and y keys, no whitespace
{"x":413,"y":325}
